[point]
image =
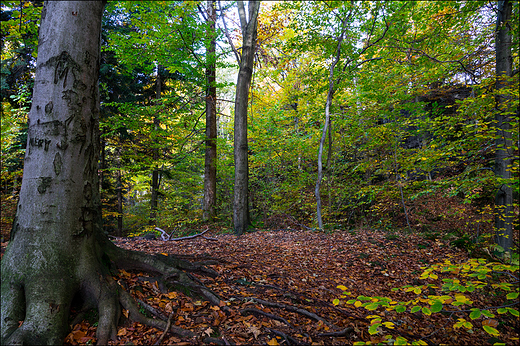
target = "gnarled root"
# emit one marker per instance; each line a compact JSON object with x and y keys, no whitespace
{"x":36,"y":307}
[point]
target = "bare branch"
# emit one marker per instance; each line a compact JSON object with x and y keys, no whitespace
{"x":228,"y":36}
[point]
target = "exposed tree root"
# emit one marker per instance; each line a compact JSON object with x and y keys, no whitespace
{"x":344,"y":332}
{"x":298,"y":310}
{"x":129,"y":303}
{"x":271,"y":316}
{"x":89,"y":282}
{"x":288,"y":339}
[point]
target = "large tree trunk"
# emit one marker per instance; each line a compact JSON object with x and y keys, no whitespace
{"x":249,"y":30}
{"x":58,"y":251}
{"x":210,"y":164}
{"x":52,"y":246}
{"x":503,"y":156}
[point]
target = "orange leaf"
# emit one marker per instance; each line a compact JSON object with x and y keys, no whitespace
{"x":78,"y":335}
{"x":273,"y":342}
{"x":490,"y":323}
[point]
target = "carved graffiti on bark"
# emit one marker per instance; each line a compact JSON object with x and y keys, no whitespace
{"x":57,"y":164}
{"x":45,"y":182}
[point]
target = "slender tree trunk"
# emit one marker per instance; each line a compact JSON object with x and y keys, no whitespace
{"x":210,"y":164}
{"x":503,"y":157}
{"x":249,"y":30}
{"x":330,"y":96}
{"x":102,"y":165}
{"x":328,"y":165}
{"x":119,"y":187}
{"x":155,"y":155}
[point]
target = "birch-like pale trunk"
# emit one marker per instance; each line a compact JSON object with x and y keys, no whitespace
{"x":328,"y":103}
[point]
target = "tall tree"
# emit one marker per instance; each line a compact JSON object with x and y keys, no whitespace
{"x":58,"y":211}
{"x":58,"y":252}
{"x":210,"y":160}
{"x":330,"y":96}
{"x":248,"y":25}
{"x":503,"y":157}
{"x":155,"y":154}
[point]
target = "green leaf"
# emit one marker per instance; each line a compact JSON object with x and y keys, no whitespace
{"x":502,"y":310}
{"x":400,"y":341}
{"x":475,"y":314}
{"x":488,"y":313}
{"x":436,"y":307}
{"x":491,"y":330}
{"x":416,"y":308}
{"x":400,"y":308}
{"x":372,"y":306}
{"x":513,"y":312}
{"x":512,"y":295}
{"x":426,"y":311}
{"x":373,"y":328}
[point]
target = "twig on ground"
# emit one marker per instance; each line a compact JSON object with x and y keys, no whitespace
{"x":168,"y":324}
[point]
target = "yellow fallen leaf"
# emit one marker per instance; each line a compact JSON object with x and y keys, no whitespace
{"x":273,"y":342}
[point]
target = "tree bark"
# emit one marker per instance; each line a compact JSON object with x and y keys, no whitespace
{"x":249,"y":31}
{"x":210,"y":160}
{"x":503,"y":156}
{"x":58,"y":216}
{"x":58,"y":252}
{"x":155,"y":154}
{"x":119,"y":189}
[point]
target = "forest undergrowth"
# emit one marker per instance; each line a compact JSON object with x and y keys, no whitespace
{"x":278,"y":287}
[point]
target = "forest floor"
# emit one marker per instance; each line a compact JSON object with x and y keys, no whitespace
{"x":279,"y":287}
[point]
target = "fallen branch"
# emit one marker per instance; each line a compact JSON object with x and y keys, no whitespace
{"x":166,"y":237}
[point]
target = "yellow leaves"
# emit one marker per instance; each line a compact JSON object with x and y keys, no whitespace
{"x":357,"y":304}
{"x":273,"y":342}
{"x":463,"y":323}
{"x":335,"y":301}
{"x":341,"y":287}
{"x":390,"y":325}
{"x":172,"y":295}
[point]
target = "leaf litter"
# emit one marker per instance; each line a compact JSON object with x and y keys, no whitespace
{"x":278,"y":287}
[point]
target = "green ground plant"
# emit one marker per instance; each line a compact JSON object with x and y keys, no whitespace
{"x":446,"y":290}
